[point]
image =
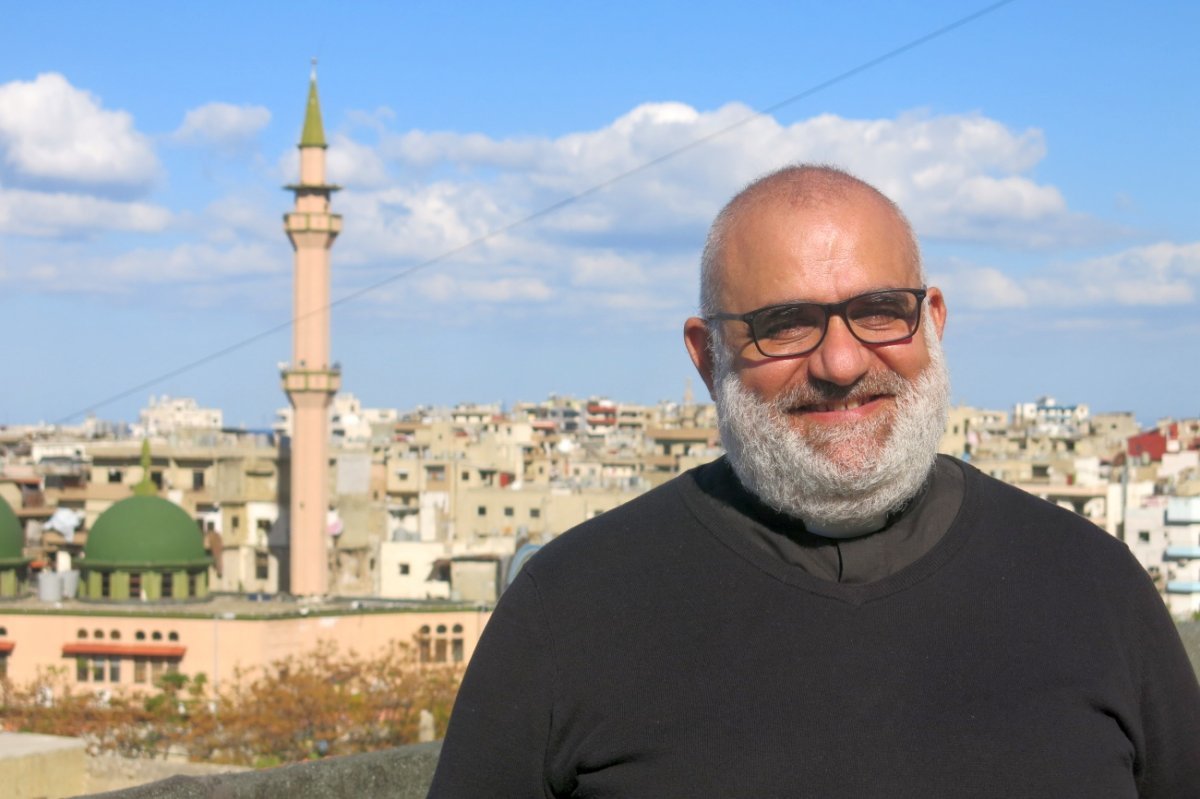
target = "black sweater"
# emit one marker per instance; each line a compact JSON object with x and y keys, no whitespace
{"x":653,"y":652}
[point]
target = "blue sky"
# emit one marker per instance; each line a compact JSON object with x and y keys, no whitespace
{"x":1045,"y":152}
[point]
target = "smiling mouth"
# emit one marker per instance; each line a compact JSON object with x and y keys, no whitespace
{"x":847,"y":404}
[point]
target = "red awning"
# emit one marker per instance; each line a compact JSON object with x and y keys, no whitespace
{"x":6,"y":647}
{"x":124,"y":650}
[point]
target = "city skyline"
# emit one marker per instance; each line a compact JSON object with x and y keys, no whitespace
{"x":1039,"y":151}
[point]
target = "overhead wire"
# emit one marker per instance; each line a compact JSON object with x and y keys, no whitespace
{"x":547,"y":210}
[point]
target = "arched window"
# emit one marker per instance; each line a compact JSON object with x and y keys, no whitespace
{"x":173,"y":636}
{"x":98,"y":634}
{"x":115,"y":635}
{"x":140,"y":635}
{"x":156,"y":636}
{"x":423,"y":644}
{"x":81,"y":634}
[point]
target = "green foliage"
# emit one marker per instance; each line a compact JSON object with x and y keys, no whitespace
{"x":324,"y":703}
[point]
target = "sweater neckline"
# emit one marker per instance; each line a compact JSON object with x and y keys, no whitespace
{"x":703,"y":507}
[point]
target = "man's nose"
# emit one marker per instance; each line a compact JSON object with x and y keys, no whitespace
{"x":841,"y":359}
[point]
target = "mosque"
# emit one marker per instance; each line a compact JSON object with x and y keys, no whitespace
{"x":133,"y":599}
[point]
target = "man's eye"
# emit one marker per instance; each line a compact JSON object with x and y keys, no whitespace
{"x":880,"y":310}
{"x":788,"y":322}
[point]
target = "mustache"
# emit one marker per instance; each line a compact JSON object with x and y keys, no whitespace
{"x":820,"y":392}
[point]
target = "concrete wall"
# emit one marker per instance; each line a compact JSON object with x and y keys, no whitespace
{"x":41,"y":766}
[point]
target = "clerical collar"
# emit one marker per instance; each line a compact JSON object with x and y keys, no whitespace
{"x":904,"y":536}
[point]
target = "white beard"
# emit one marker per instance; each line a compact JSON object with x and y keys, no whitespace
{"x":843,"y":481}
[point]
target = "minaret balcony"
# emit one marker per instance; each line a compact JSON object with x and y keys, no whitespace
{"x":312,"y":223}
{"x":303,"y":381}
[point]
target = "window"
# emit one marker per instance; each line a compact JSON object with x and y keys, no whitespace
{"x":1144,"y":536}
{"x":456,"y":644}
{"x":404,"y":569}
{"x":466,"y":476}
{"x":139,"y":670}
{"x":423,"y":644}
{"x":114,"y":669}
{"x":156,"y":636}
{"x":98,"y":634}
{"x":114,"y":475}
{"x":157,"y":479}
{"x":81,"y":634}
{"x":481,"y":510}
{"x":172,"y":636}
{"x":197,"y":479}
{"x":135,"y":585}
{"x":139,"y":635}
{"x":115,"y":635}
{"x":105,"y":584}
{"x":235,"y":521}
{"x":535,"y":513}
{"x":508,"y":511}
{"x":262,"y":565}
{"x":168,"y":587}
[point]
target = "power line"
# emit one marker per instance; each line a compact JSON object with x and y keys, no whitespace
{"x":549,"y":209}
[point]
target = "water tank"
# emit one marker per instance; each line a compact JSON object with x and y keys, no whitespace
{"x":49,"y":587}
{"x":70,"y":583}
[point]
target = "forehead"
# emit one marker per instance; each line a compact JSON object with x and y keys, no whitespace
{"x":775,"y":251}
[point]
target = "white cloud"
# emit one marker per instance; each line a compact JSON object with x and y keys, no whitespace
{"x":447,"y":288}
{"x":50,"y":214}
{"x":980,"y":287}
{"x":1153,"y":275}
{"x":52,"y":131}
{"x":1161,"y":274}
{"x":606,"y":269}
{"x":630,"y":244}
{"x":222,"y":124}
{"x":189,"y":266}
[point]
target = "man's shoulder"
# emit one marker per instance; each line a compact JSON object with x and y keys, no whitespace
{"x":1037,"y":524}
{"x":642,"y":530}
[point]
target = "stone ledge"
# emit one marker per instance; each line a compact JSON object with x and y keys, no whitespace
{"x":403,"y":773}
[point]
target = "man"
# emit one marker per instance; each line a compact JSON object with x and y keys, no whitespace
{"x":831,"y":610}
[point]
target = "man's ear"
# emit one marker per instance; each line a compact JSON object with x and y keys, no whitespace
{"x":696,"y":338}
{"x":937,"y":309}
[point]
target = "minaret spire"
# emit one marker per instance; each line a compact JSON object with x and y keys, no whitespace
{"x":312,"y":378}
{"x":313,"y":134}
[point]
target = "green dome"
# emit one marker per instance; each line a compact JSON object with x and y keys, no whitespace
{"x":144,"y":532}
{"x":12,"y":538}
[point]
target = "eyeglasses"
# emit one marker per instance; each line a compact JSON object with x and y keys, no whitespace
{"x":798,"y":328}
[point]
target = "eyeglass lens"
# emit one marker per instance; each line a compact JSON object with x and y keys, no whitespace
{"x":877,"y":318}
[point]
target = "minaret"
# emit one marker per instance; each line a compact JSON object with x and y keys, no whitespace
{"x":311,"y":380}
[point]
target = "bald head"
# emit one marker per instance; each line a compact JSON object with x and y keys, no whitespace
{"x":801,"y":187}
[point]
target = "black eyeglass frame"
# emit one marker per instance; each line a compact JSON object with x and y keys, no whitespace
{"x":830,"y":309}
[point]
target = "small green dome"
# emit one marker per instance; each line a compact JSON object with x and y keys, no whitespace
{"x":144,"y":532}
{"x":12,"y":538}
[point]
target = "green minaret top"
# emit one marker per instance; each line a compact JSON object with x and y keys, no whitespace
{"x":313,"y":134}
{"x":145,"y":487}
